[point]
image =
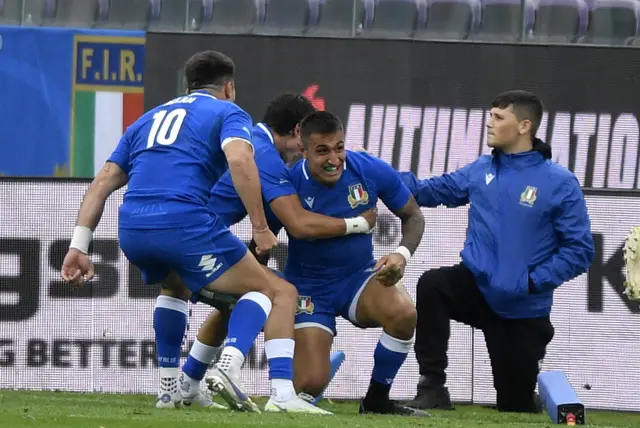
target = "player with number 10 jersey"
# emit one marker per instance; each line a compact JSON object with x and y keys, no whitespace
{"x":171,"y":157}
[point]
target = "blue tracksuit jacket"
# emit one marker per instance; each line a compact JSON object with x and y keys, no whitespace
{"x":529,"y":229}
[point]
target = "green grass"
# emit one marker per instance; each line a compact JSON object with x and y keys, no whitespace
{"x":70,"y":410}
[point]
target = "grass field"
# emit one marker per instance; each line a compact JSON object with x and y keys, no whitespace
{"x":70,"y":410}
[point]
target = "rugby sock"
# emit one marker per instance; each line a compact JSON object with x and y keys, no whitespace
{"x":246,"y":322}
{"x":280,"y":357}
{"x":195,"y":368}
{"x":388,"y":357}
{"x":169,"y":323}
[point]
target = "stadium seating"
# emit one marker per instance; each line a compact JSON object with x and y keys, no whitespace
{"x":285,"y":17}
{"x":125,"y":14}
{"x":395,"y":18}
{"x":10,"y":12}
{"x":501,"y":20}
{"x":230,"y":16}
{"x":613,"y":22}
{"x":545,"y":21}
{"x":450,"y":19}
{"x":338,"y":18}
{"x":561,"y":21}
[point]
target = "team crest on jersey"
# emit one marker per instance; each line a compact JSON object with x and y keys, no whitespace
{"x":305,"y":305}
{"x":529,"y":196}
{"x":357,"y":195}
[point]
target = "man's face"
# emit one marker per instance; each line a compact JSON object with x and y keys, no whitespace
{"x":504,"y":128}
{"x":325,"y":156}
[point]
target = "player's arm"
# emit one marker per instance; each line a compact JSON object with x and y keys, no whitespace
{"x":575,"y":241}
{"x":238,"y":149}
{"x":412,"y":222}
{"x":397,"y":197}
{"x":282,"y":197}
{"x":76,"y":265}
{"x":451,"y":190}
{"x":304,"y":224}
{"x":112,"y":176}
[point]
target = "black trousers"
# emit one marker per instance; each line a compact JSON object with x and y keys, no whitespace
{"x":515,"y":345}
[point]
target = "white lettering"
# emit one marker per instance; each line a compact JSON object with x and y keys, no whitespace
{"x":542,"y":129}
{"x":389,"y":134}
{"x":410,"y":119}
{"x":466,"y":134}
{"x":375,"y":129}
{"x":441,"y":141}
{"x":354,"y":132}
{"x":602,"y":151}
{"x":560,"y":138}
{"x":624,"y":153}
{"x":584,"y":127}
{"x":425,"y":156}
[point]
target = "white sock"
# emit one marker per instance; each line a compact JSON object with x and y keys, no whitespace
{"x":279,"y":353}
{"x":231,"y":361}
{"x":169,"y":379}
{"x":282,"y":389}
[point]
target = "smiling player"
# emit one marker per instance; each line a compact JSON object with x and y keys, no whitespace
{"x":339,"y":276}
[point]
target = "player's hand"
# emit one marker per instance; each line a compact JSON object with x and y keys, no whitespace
{"x":390,"y":269}
{"x":265,"y":240}
{"x":76,"y":268}
{"x":371,"y":216}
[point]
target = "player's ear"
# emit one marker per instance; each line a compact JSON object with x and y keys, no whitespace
{"x":297,"y":131}
{"x":230,"y":90}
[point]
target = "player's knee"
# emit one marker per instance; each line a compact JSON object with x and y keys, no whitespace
{"x":286,"y":293}
{"x":312,"y":383}
{"x":403,"y":320}
{"x":176,"y":293}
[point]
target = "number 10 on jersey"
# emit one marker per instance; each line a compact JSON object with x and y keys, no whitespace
{"x":166,"y":127}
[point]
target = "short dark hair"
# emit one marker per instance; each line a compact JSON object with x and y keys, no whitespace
{"x":286,"y":111}
{"x":207,"y":69}
{"x":526,"y":106}
{"x":319,"y":122}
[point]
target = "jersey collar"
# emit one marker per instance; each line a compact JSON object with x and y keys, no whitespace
{"x":308,"y":174}
{"x":266,"y":131}
{"x":203,"y":94}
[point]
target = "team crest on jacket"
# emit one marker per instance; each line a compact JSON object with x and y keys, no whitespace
{"x":357,"y":195}
{"x":528,"y":197}
{"x":305,"y":305}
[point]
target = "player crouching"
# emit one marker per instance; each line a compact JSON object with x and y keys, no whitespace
{"x":339,"y":276}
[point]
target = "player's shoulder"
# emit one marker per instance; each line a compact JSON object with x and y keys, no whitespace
{"x":297,"y":171}
{"x":560,"y":175}
{"x":364,"y":161}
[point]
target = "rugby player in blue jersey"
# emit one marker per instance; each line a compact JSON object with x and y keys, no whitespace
{"x":170,"y":158}
{"x":275,"y":138}
{"x":339,"y":276}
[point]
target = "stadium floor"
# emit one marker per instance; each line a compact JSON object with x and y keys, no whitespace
{"x":71,"y":410}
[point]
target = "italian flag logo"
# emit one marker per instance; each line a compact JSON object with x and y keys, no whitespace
{"x":107,"y":98}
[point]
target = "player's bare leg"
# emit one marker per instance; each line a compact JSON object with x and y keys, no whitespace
{"x":260,"y":292}
{"x":392,"y":309}
{"x":311,"y":371}
{"x":203,"y":351}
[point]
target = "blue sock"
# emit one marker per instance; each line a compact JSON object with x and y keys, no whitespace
{"x":169,"y":323}
{"x":246,"y":321}
{"x":200,"y":357}
{"x":388,"y":357}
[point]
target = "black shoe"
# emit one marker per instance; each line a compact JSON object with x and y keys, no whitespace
{"x":389,"y":407}
{"x":431,"y":397}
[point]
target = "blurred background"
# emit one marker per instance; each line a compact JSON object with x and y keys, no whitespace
{"x":412,"y":80}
